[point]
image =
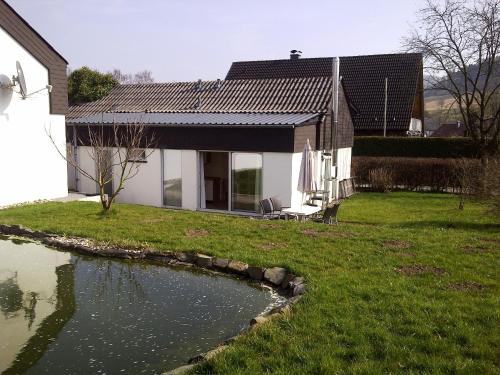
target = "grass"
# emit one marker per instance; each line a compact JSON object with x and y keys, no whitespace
{"x":360,"y":315}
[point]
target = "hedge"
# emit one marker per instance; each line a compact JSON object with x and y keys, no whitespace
{"x":414,"y":147}
{"x":410,"y":173}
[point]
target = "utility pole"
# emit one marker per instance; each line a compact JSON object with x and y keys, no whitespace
{"x":385,"y":107}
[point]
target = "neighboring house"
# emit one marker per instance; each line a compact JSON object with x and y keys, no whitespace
{"x":31,"y":167}
{"x":363,"y":79}
{"x":450,"y":130}
{"x":223,"y":145}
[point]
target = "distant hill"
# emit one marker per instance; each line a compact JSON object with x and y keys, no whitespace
{"x":457,"y":77}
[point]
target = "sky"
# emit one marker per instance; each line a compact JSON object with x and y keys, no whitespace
{"x":186,"y":40}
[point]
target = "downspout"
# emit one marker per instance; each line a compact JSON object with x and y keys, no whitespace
{"x":75,"y":157}
{"x":335,"y":120}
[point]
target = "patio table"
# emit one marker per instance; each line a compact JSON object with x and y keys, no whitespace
{"x":301,"y":212}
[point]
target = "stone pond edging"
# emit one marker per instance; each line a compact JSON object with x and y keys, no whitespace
{"x":278,"y":278}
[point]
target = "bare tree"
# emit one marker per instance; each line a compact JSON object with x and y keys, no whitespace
{"x":117,"y":152}
{"x":144,"y":76}
{"x":460,"y":42}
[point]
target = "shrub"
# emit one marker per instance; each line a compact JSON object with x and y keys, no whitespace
{"x":414,"y":147}
{"x":492,"y":185}
{"x":380,"y":179}
{"x":412,"y":173}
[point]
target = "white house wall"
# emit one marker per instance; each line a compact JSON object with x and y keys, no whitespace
{"x":145,"y":187}
{"x":85,"y":162}
{"x":276,"y":176}
{"x":31,"y":168}
{"x":344,"y":163}
{"x":297,"y":197}
{"x":280,"y":177}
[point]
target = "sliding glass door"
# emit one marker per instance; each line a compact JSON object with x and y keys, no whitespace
{"x":246,"y":181}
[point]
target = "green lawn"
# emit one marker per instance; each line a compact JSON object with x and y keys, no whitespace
{"x":363,"y":313}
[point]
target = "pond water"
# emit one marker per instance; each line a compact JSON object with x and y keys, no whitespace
{"x":63,"y":313}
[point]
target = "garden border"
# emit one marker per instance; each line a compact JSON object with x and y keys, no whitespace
{"x":279,"y":279}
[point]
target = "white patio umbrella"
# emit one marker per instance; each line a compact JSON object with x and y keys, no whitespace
{"x":307,"y":183}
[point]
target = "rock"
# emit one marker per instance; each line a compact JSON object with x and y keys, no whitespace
{"x":289,"y":277}
{"x":185,"y":257}
{"x":298,"y":289}
{"x":275,"y":275}
{"x":210,"y":354}
{"x":203,"y":260}
{"x":255,"y":273}
{"x":220,"y":263}
{"x":179,"y":370}
{"x":214,"y":352}
{"x":237,"y":267}
{"x":258,"y":320}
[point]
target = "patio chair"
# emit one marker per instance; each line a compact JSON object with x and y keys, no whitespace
{"x":271,"y":208}
{"x":329,"y":214}
{"x":277,"y":206}
{"x":266,"y":208}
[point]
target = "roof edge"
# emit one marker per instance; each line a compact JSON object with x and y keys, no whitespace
{"x":34,"y":31}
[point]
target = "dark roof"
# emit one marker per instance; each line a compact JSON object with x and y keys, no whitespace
{"x":33,"y":30}
{"x":293,"y":95}
{"x":453,"y":129}
{"x":262,"y":69}
{"x":363,"y":79}
{"x":198,"y":119}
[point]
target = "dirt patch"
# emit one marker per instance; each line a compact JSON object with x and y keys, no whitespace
{"x":269,"y":226}
{"x":419,"y":269}
{"x":404,"y":255}
{"x":396,"y":244}
{"x":272,"y":245}
{"x":310,"y":232}
{"x":466,"y":286}
{"x":480,"y":249}
{"x":338,"y":234}
{"x":192,"y":233}
{"x":490,"y":240}
{"x":328,"y":234}
{"x":155,"y":220}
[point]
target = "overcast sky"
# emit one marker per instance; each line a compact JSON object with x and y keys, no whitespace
{"x":183,"y":40}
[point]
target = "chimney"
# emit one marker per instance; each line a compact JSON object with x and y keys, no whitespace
{"x":295,"y":54}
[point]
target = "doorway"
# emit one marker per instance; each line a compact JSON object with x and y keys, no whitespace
{"x":214,"y":180}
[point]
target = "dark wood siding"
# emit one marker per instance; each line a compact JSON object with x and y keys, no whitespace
{"x":210,"y":138}
{"x":345,"y":131}
{"x":27,"y":37}
{"x":302,"y":134}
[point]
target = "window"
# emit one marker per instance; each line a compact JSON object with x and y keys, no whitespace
{"x":246,"y":181}
{"x":137,"y":155}
{"x":172,"y":178}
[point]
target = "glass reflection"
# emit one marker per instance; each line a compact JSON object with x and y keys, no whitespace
{"x":62,"y":313}
{"x":172,"y":178}
{"x":246,"y":181}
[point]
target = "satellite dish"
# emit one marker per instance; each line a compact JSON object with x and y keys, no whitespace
{"x":20,"y":80}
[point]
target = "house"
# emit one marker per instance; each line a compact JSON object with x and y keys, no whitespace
{"x":33,"y":99}
{"x":450,"y":129}
{"x":223,"y":145}
{"x":363,"y":79}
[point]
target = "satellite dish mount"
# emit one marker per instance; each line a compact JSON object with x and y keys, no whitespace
{"x":20,"y":81}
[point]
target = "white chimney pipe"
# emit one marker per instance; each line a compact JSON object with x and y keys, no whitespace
{"x":335,"y":101}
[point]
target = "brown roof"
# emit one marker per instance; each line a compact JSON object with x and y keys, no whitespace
{"x":292,"y":95}
{"x":453,"y":129}
{"x":363,"y":79}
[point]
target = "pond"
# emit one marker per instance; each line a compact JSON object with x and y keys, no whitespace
{"x":63,"y":313}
